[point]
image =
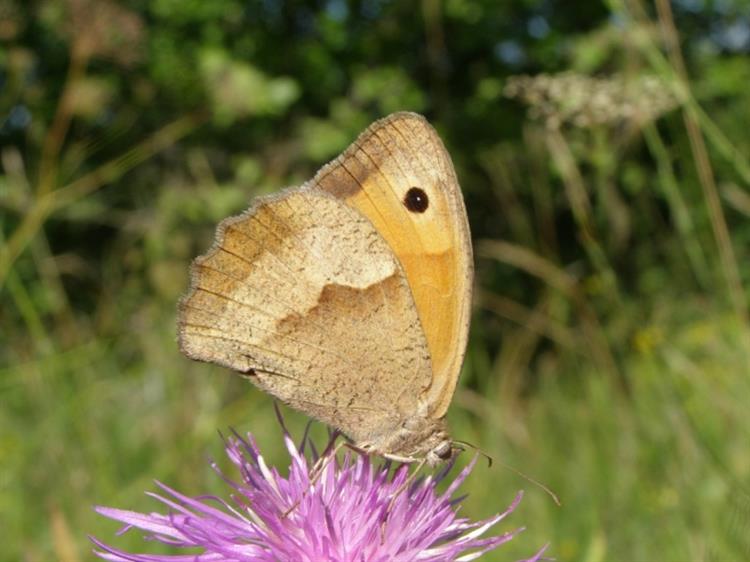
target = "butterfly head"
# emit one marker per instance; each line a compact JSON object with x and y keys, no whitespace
{"x":444,"y":451}
{"x":423,"y":438}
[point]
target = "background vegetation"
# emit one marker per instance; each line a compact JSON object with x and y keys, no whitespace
{"x":608,"y":198}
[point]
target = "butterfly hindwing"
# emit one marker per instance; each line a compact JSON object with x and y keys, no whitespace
{"x":305,"y":296}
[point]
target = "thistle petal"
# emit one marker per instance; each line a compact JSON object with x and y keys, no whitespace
{"x":354,"y":510}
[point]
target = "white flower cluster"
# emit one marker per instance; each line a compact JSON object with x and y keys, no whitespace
{"x":584,"y":101}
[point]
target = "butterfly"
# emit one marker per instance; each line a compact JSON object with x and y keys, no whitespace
{"x":348,"y":298}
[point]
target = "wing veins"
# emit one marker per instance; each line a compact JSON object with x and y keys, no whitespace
{"x":267,"y":330}
{"x":248,"y":305}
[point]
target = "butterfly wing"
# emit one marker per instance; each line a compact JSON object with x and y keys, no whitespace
{"x":303,"y":295}
{"x":375,"y":175}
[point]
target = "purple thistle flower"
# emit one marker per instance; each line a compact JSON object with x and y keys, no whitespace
{"x":353,"y":511}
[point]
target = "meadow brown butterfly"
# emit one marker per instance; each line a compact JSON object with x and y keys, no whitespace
{"x":348,"y":298}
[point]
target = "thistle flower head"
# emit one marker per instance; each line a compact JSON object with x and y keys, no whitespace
{"x":351,"y":510}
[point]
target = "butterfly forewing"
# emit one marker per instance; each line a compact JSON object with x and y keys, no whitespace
{"x":375,"y":175}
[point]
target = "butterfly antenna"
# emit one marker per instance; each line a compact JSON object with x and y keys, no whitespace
{"x":551,"y":494}
{"x":526,"y":477}
{"x":464,"y":444}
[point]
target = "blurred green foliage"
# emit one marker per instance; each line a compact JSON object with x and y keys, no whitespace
{"x":608,"y":199}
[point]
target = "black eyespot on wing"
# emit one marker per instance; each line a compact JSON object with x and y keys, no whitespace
{"x":416,"y":200}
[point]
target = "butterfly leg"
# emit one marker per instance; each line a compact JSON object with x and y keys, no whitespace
{"x":317,"y":469}
{"x":405,"y":460}
{"x":409,"y":480}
